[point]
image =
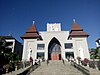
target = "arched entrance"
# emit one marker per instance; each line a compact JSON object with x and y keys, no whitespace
{"x":54,"y":50}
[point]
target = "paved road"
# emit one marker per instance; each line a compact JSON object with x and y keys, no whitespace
{"x":56,"y":68}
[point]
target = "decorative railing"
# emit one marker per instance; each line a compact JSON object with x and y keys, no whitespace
{"x":24,"y":70}
{"x":79,"y":67}
{"x":28,"y":70}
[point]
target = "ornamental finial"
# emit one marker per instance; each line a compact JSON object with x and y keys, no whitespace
{"x":74,"y":20}
{"x":33,"y":22}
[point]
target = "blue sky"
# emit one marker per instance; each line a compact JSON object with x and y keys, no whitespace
{"x":16,"y":16}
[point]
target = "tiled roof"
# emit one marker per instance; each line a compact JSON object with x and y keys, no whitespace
{"x":30,"y":35}
{"x":76,"y":30}
{"x":78,"y":33}
{"x":32,"y":29}
{"x":75,"y":26}
{"x":31,"y":32}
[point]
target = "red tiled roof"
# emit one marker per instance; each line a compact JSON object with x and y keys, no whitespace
{"x":32,"y":29}
{"x":76,"y":30}
{"x":75,"y":26}
{"x":78,"y":33}
{"x":31,"y":32}
{"x":30,"y":35}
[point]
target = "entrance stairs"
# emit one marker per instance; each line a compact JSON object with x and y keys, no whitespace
{"x":56,"y":67}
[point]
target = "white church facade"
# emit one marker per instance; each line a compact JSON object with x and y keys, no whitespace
{"x":55,"y":44}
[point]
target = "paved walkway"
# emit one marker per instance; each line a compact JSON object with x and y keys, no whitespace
{"x":56,"y":68}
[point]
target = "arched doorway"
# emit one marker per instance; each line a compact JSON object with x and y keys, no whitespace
{"x":54,"y":50}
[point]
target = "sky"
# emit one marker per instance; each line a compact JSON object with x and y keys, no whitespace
{"x":16,"y":16}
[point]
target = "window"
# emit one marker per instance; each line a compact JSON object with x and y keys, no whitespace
{"x":40,"y":46}
{"x":40,"y":55}
{"x":9,"y":44}
{"x":69,"y":54}
{"x":68,"y":45}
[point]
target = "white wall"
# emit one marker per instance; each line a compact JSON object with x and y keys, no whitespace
{"x":13,"y":41}
{"x":80,"y":45}
{"x":29,"y":44}
{"x":61,"y":36}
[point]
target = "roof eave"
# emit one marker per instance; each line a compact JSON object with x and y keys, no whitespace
{"x":78,"y":35}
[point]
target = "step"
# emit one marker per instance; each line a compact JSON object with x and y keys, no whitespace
{"x":56,"y":68}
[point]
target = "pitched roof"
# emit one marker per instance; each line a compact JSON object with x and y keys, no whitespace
{"x":30,"y":35}
{"x":32,"y":29}
{"x":78,"y":33}
{"x":31,"y":32}
{"x":76,"y":30}
{"x":75,"y":26}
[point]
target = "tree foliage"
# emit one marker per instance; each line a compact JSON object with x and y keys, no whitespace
{"x":6,"y":54}
{"x":95,"y":53}
{"x":2,"y":44}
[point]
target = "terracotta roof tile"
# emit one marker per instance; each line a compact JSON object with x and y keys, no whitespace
{"x":78,"y":33}
{"x":31,"y":32}
{"x":32,"y":29}
{"x":76,"y":30}
{"x":75,"y":26}
{"x":30,"y":35}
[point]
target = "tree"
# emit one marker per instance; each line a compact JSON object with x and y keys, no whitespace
{"x":6,"y":54}
{"x":2,"y":44}
{"x":92,"y":53}
{"x":2,"y":48}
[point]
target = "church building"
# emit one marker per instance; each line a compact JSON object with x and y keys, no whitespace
{"x":55,"y":44}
